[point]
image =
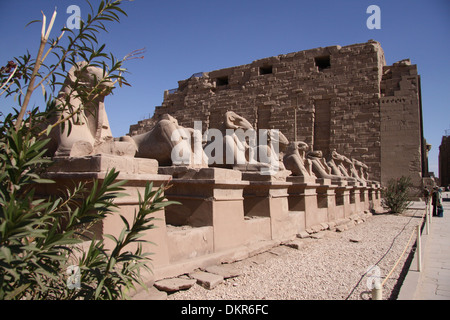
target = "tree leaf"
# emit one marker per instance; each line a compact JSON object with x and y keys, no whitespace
{"x":11,"y":295}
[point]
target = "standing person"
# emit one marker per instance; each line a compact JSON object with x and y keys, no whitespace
{"x":426,"y":195}
{"x":440,"y":209}
{"x":436,"y":201}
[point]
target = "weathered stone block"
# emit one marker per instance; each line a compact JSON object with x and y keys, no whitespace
{"x":174,"y":284}
{"x":206,"y":279}
{"x":225,"y":270}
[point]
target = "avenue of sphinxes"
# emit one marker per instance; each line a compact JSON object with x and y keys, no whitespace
{"x":242,"y":189}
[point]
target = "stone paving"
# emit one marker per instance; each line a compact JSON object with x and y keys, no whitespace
{"x":433,"y":282}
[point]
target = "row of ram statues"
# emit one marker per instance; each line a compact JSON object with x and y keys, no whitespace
{"x":89,"y":133}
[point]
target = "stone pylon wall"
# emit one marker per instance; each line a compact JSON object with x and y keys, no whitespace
{"x":402,"y":146}
{"x":342,"y":98}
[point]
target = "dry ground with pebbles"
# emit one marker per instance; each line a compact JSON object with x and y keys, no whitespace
{"x":332,"y":267}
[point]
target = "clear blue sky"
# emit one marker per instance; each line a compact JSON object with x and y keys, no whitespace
{"x":183,"y":37}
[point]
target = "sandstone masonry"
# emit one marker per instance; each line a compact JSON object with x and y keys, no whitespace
{"x":343,"y":98}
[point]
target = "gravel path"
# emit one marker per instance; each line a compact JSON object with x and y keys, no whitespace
{"x":330,"y":268}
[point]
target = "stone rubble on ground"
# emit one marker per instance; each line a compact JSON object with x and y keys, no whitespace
{"x":225,"y":270}
{"x":328,"y":266}
{"x":206,"y":279}
{"x":174,"y":284}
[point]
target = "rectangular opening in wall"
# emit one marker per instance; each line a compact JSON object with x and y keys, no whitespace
{"x":322,"y":63}
{"x":322,"y":200}
{"x":265,"y":70}
{"x":339,"y":199}
{"x":352,"y":196}
{"x":255,"y":206}
{"x":222,"y":81}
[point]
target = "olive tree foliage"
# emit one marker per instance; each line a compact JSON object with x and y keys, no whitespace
{"x":41,"y":252}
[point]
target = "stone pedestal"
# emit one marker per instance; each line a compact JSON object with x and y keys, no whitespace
{"x":209,"y":197}
{"x":355,"y":199}
{"x":326,"y":203}
{"x":302,"y":197}
{"x":343,"y":206}
{"x":101,"y":163}
{"x":70,"y":171}
{"x":375,"y":196}
{"x":364,"y":198}
{"x":267,"y":196}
